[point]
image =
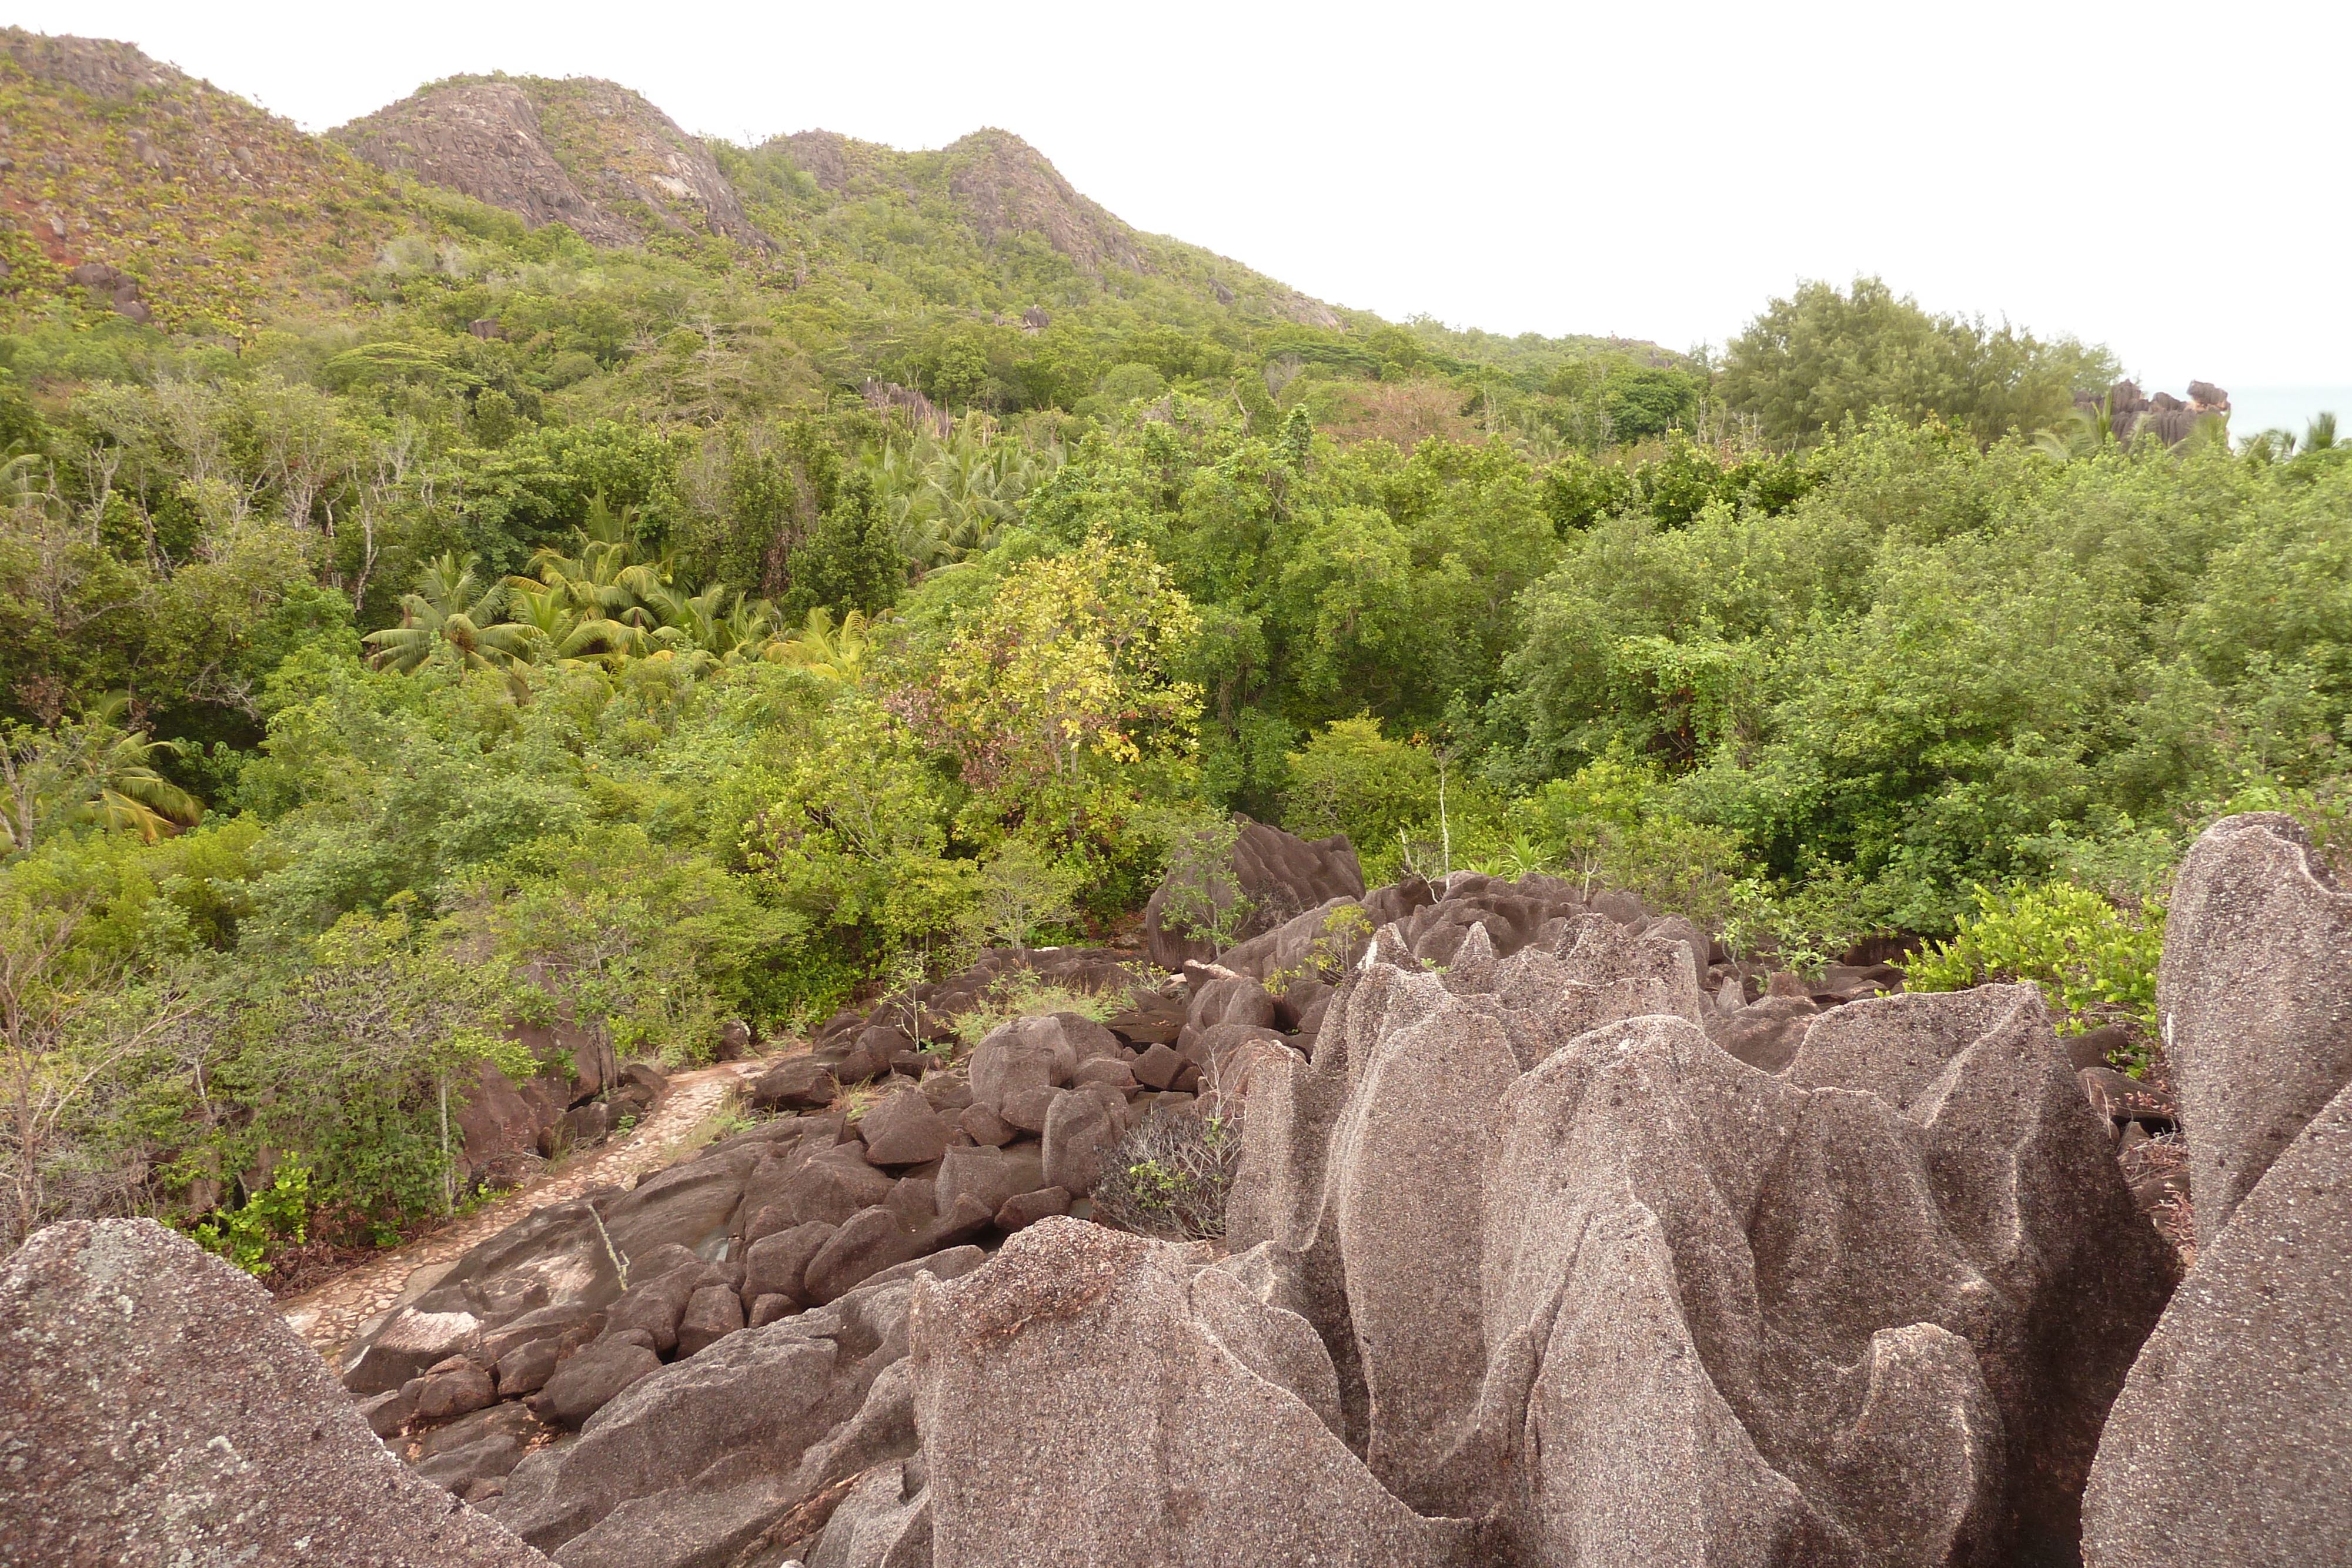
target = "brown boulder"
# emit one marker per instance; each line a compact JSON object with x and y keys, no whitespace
{"x":1027,"y":1208}
{"x":801,"y":1083}
{"x":526,"y":1369}
{"x":1076,"y":1133}
{"x":452,"y":1388}
{"x":591,"y":1380}
{"x":712,"y":1314}
{"x":881,"y":1238}
{"x":775,"y":1265}
{"x":903,"y":1130}
{"x":1278,"y":876}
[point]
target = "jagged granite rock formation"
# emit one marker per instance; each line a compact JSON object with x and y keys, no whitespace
{"x":158,"y":1412}
{"x":2229,"y":1442}
{"x":1633,"y":1299}
{"x":1168,"y":1414}
{"x":2255,"y":996}
{"x":1277,"y":874}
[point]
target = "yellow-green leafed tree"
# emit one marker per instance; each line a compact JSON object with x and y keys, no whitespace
{"x":1064,"y":677}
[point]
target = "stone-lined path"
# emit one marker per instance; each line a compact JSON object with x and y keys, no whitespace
{"x":330,"y":1315}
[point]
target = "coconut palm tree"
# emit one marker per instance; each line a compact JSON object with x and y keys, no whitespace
{"x":91,"y":772}
{"x":452,"y":609}
{"x":607,"y":581}
{"x":2086,"y":430}
{"x":821,"y":649}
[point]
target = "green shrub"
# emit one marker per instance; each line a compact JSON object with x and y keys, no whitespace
{"x":2095,"y":963}
{"x":276,"y":1216}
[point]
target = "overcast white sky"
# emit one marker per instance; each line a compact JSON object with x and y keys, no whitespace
{"x":2168,"y":178}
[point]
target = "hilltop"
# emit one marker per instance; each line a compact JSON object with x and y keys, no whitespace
{"x":132,"y":186}
{"x":810,"y":265}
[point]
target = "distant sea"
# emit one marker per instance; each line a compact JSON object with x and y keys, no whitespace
{"x":2254,"y":410}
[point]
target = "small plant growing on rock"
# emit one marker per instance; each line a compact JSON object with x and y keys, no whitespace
{"x":1022,"y":994}
{"x":1167,"y":1178}
{"x":1206,"y":901}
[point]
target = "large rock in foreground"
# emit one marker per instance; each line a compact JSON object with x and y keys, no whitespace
{"x":2256,"y":995}
{"x":1093,"y":1398}
{"x":2232,"y":1439}
{"x":161,"y":1412}
{"x":1584,"y":1274}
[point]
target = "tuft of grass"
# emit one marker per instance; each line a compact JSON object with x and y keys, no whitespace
{"x":855,"y":1102}
{"x":1022,"y":994}
{"x":726,"y":1119}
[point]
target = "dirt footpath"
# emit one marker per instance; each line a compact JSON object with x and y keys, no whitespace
{"x":327,"y":1316}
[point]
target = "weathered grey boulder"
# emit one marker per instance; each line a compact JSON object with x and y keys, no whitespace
{"x":1167,"y":1416}
{"x":1409,"y":1158}
{"x":2229,"y":1441}
{"x":161,"y":1412}
{"x":2254,"y":997}
{"x":1921,"y":1212}
{"x":884,"y":1522}
{"x":2232,"y":1439}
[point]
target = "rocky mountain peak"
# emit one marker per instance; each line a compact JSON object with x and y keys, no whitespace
{"x":1008,"y":187}
{"x":100,"y":67}
{"x":582,"y":152}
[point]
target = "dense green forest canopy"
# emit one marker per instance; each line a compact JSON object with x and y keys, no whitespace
{"x":708,"y":628}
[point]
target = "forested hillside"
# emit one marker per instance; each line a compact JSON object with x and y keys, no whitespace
{"x":510,"y":555}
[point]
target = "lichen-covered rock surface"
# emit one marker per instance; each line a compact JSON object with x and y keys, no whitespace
{"x":159,"y":1414}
